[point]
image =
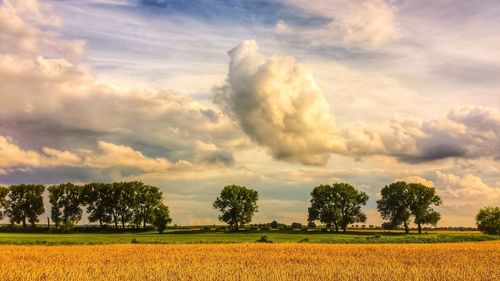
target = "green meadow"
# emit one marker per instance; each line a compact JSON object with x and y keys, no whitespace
{"x":181,"y":237}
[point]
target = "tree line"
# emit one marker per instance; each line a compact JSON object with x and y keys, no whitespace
{"x":134,"y":204}
{"x":339,"y":205}
{"x":124,"y":204}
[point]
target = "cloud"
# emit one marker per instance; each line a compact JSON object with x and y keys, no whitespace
{"x":466,"y":190}
{"x":112,"y":155}
{"x":417,"y":179}
{"x":28,"y":29}
{"x":278,"y":104}
{"x":360,"y":24}
{"x":467,"y":132}
{"x":282,"y":27}
{"x":13,"y":155}
{"x":107,"y":155}
{"x":65,"y":106}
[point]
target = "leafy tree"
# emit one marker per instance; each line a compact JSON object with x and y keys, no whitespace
{"x":3,"y":202}
{"x":25,"y":203}
{"x":421,"y":198}
{"x":324,"y":207}
{"x":65,"y":200}
{"x":147,"y":199}
{"x":161,"y":217}
{"x":394,"y":205}
{"x":98,"y":199}
{"x":488,"y":220}
{"x":338,"y":205}
{"x":237,"y":205}
{"x":123,"y":196}
{"x":56,"y":194}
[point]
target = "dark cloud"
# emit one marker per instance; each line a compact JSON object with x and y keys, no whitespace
{"x":223,"y":157}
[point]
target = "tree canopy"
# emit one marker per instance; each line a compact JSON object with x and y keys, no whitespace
{"x":161,"y":217}
{"x":66,"y":201}
{"x":394,"y":206}
{"x":488,"y":220}
{"x":25,"y":203}
{"x":337,"y":205}
{"x":400,"y":201}
{"x":237,"y":205}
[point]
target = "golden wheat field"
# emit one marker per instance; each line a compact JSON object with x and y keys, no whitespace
{"x":458,"y":261}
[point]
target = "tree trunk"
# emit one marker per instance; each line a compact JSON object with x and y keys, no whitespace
{"x":237,"y":227}
{"x":419,"y":228}
{"x":407,"y":230}
{"x":344,"y":228}
{"x":24,"y":221}
{"x":144,"y":223}
{"x":336,"y":227}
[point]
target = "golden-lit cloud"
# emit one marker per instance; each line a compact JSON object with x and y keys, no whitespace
{"x":278,"y":104}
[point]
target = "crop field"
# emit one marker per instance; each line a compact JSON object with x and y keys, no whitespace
{"x":446,"y":261}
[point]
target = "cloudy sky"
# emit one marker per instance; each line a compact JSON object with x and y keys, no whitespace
{"x":277,"y":95}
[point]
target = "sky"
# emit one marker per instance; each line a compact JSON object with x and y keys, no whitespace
{"x":279,"y":96}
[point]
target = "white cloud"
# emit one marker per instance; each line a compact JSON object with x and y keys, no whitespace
{"x":278,"y":104}
{"x":282,"y":27}
{"x":362,"y":24}
{"x":466,"y":190}
{"x":28,"y":29}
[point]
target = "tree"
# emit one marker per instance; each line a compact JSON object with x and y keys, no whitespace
{"x":421,"y":198}
{"x":338,"y":205}
{"x":488,"y":220}
{"x":97,"y":197}
{"x":161,"y":217}
{"x":3,"y":203}
{"x":56,"y":194}
{"x":324,"y":207}
{"x":394,"y":205}
{"x":274,"y":224}
{"x":25,"y":203}
{"x":147,"y":199}
{"x":123,"y":198}
{"x":237,"y":205}
{"x":66,"y":200}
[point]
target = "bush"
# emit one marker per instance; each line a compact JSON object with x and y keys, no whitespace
{"x":274,"y":224}
{"x":134,"y":241}
{"x":311,"y":225}
{"x":67,"y":227}
{"x":488,"y":220}
{"x":264,"y":239}
{"x":296,"y":225}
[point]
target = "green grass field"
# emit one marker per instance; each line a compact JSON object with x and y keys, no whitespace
{"x":242,"y":237}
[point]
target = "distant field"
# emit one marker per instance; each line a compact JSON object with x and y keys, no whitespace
{"x":241,"y":237}
{"x":458,"y":261}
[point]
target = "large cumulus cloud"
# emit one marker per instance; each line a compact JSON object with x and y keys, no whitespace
{"x":278,"y":104}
